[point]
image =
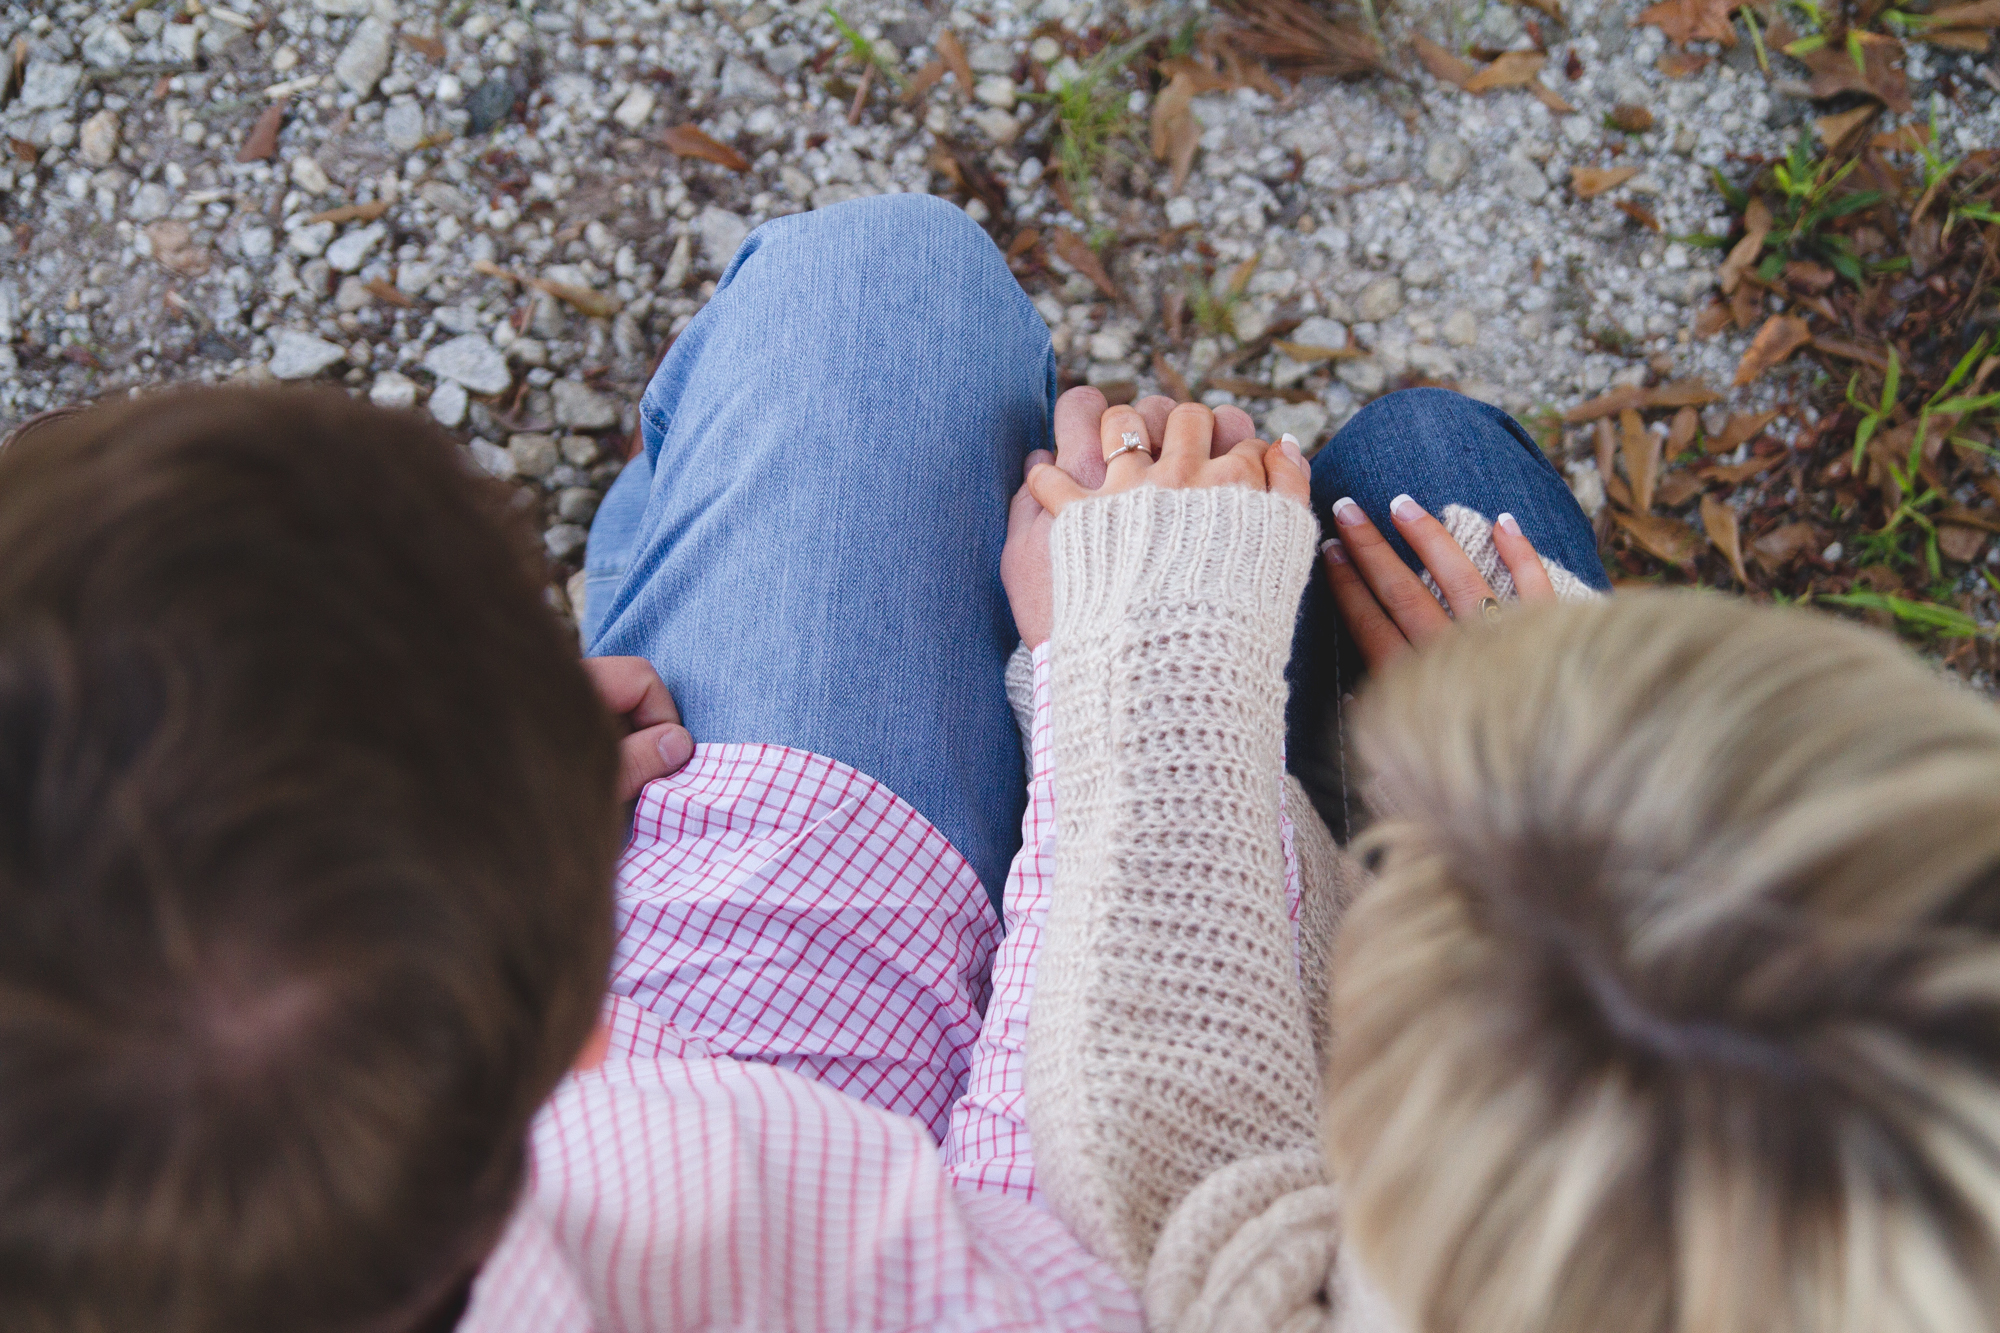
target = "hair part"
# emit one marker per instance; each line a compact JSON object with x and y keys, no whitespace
{"x":1676,"y":1007}
{"x":307,"y":825}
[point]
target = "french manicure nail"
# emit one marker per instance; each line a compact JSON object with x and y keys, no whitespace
{"x":1507,"y":524}
{"x":1289,"y":444}
{"x":1347,"y":513}
{"x":1405,"y":508}
{"x":1333,"y":550}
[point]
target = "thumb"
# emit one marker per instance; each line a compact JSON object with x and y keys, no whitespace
{"x":1053,"y":489}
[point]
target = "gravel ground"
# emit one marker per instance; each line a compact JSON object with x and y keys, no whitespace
{"x":511,"y":241}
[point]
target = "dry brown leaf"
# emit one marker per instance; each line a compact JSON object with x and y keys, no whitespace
{"x":1740,"y":429}
{"x":1443,"y":65}
{"x":1665,"y":538}
{"x":1549,"y":98}
{"x":953,"y":53}
{"x":1881,"y":74}
{"x":1839,"y":131}
{"x":430,"y":48}
{"x":692,"y":141}
{"x":1711,"y":319}
{"x":1955,"y":39}
{"x":1756,"y":226}
{"x":1775,"y":342}
{"x":1631,"y":119}
{"x":1316,"y":352}
{"x":1176,"y":133}
{"x":1641,"y":448}
{"x":1735,"y":474}
{"x":1780,"y":546}
{"x":1906,"y":140}
{"x":1076,"y":252}
{"x":923,"y":81}
{"x":261,"y":144}
{"x":389,"y":293}
{"x":1745,"y":305}
{"x":1807,"y":276}
{"x":1681,"y":393}
{"x":1978,"y":14}
{"x":367,"y":212}
{"x":1685,"y":21}
{"x":1681,"y":434}
{"x":1961,"y":544}
{"x":1301,"y":42}
{"x":1638,"y":212}
{"x":1027,"y":239}
{"x":595,"y":304}
{"x":1676,"y":488}
{"x":1720,"y":521}
{"x":1171,"y":381}
{"x":1607,"y":404}
{"x":1513,"y":69}
{"x":1681,"y":64}
{"x":1589,"y":182}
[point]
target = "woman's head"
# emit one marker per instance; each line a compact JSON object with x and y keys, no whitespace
{"x":1677,"y":1004}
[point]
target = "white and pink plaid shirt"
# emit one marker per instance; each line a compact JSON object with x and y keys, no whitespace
{"x":812,"y":1113}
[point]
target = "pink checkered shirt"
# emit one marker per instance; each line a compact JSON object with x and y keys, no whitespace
{"x":812,"y":1113}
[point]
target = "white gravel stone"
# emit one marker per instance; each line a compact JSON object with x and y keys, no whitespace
{"x":471,"y":360}
{"x":1307,"y":421}
{"x":97,"y":141}
{"x":1379,"y":300}
{"x":743,"y":79}
{"x":297,"y":355}
{"x":722,"y":234}
{"x":564,"y":540}
{"x":351,"y":251}
{"x":491,"y":459}
{"x":311,"y":239}
{"x":1523,"y":179}
{"x":580,"y":407}
{"x":448,"y":403}
{"x":1446,"y":159}
{"x":403,"y":126}
{"x":107,"y":47}
{"x":1364,"y":375}
{"x":638,"y":105}
{"x":534,"y":454}
{"x":1461,"y":328}
{"x":308,"y":175}
{"x":998,"y":90}
{"x":48,"y":85}
{"x":997,"y":125}
{"x":394,"y":390}
{"x":365,"y":58}
{"x":151,"y":202}
{"x":1319,"y":331}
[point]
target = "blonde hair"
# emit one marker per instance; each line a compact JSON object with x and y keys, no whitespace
{"x":1676,"y":1007}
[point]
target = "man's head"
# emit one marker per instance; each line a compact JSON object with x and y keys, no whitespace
{"x":306,"y":835}
{"x":1676,"y":1008}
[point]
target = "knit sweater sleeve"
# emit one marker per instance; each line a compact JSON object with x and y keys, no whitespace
{"x":1170,"y":1045}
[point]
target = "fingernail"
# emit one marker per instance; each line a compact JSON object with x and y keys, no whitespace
{"x":1507,"y":524}
{"x":1333,"y":550}
{"x":1347,"y":513}
{"x":1405,"y":508}
{"x":1289,"y":443}
{"x":676,"y":746}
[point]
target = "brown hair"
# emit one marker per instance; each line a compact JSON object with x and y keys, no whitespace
{"x":1676,"y":1008}
{"x":307,"y":823}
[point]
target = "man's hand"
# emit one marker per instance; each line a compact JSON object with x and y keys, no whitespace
{"x":1079,"y":417}
{"x":658,"y":744}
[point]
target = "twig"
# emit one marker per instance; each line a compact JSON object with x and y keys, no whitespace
{"x":861,"y":94}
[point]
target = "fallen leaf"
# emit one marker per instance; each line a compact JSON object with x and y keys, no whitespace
{"x":428,"y":47}
{"x":1549,"y":98}
{"x":1955,"y":39}
{"x":1808,"y":276}
{"x":1675,"y":489}
{"x":1681,"y":64}
{"x":1780,"y":546}
{"x":1745,"y":305}
{"x":691,"y":141}
{"x":389,"y":293}
{"x":1027,"y":240}
{"x":1838,"y":131}
{"x":1986,"y":520}
{"x":1735,"y":474}
{"x":1315,"y":352}
{"x":1681,"y":393}
{"x":1176,"y":133}
{"x":1681,"y":434}
{"x":1775,"y":342}
{"x":1720,"y":521}
{"x":1075,"y":252}
{"x":28,"y":154}
{"x":1905,"y":140}
{"x":261,"y":144}
{"x":1443,"y":65}
{"x":1589,"y":182}
{"x":1978,"y":14}
{"x":1712,"y":319}
{"x":923,"y":81}
{"x":953,"y":53}
{"x":1631,"y":119}
{"x":1962,"y":544}
{"x":1685,"y":21}
{"x":1666,"y":538}
{"x":1514,"y":69}
{"x":1171,"y":381}
{"x":1756,"y":226}
{"x":1740,"y":429}
{"x":367,"y":212}
{"x":595,"y":304}
{"x":1607,"y":404}
{"x":1641,"y":448}
{"x":1605,"y":436}
{"x":1880,"y":75}
{"x":1638,"y":212}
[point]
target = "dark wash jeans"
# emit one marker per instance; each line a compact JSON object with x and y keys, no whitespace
{"x":808,"y":547}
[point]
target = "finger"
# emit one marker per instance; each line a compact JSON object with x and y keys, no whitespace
{"x":1248,"y":456}
{"x":1077,"y":452}
{"x":631,"y":687}
{"x":1450,"y":567}
{"x":1401,"y":593}
{"x":1190,"y":428}
{"x":1232,"y":426}
{"x":1531,"y":577}
{"x":1374,"y":633}
{"x":1054,"y":489}
{"x":1286,"y":472}
{"x":1153,"y":410}
{"x":652,"y":753}
{"x":1122,"y":427}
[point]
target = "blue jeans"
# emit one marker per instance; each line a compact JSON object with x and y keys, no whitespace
{"x":809,"y":547}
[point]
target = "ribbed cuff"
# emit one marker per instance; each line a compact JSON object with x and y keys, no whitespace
{"x":1222,"y":545}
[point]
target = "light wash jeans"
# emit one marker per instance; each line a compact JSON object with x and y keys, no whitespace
{"x":809,"y":546}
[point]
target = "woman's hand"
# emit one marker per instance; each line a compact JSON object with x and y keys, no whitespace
{"x":1184,"y":461}
{"x":1387,"y":607}
{"x":658,"y":743}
